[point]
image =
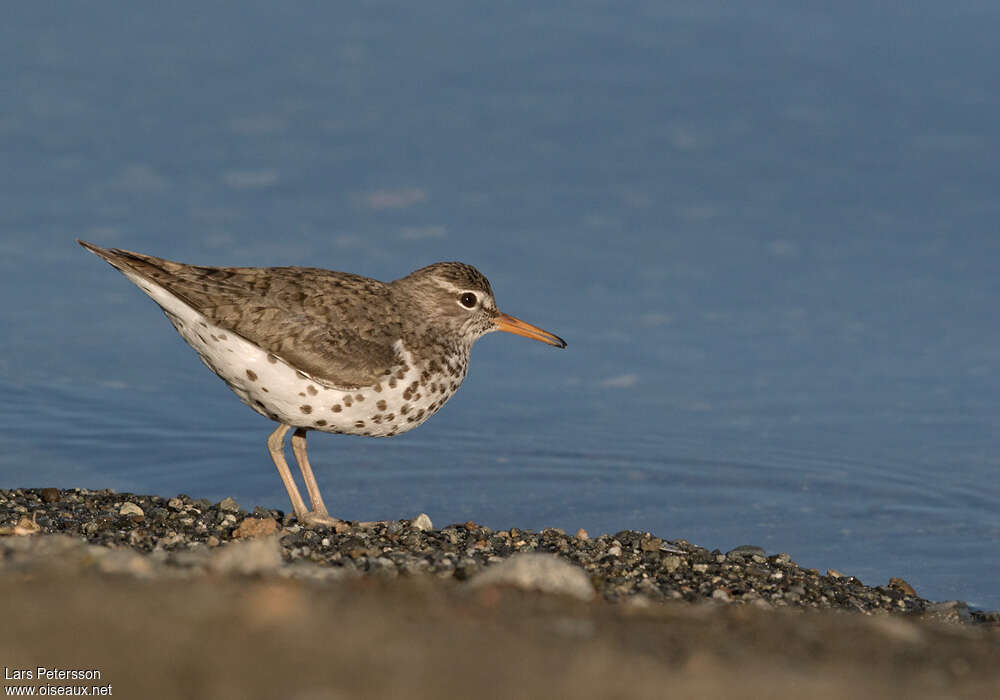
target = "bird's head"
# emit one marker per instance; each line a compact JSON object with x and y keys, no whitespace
{"x":457,"y":299}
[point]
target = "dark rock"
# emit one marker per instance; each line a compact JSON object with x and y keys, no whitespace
{"x":50,"y":495}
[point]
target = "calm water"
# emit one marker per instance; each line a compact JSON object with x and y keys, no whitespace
{"x":768,"y":234}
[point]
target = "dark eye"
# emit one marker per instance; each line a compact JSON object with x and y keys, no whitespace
{"x":468,"y":300}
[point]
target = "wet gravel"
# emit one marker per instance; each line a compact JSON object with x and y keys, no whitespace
{"x":152,"y":536}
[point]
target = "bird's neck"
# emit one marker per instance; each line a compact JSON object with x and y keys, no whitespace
{"x":436,"y":354}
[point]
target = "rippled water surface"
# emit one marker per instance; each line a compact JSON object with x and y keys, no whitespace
{"x":768,"y":234}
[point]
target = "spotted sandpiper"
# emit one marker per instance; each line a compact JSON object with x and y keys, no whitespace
{"x":314,"y":349}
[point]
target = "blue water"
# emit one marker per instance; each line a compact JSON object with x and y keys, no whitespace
{"x":769,"y":234}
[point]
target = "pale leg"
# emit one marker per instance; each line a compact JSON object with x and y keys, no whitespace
{"x":319,"y":514}
{"x":276,"y":444}
{"x":299,"y":448}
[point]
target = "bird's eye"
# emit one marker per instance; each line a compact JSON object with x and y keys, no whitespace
{"x":468,"y":300}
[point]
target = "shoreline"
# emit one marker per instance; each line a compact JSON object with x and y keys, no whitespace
{"x":183,"y":533}
{"x":179,"y":598}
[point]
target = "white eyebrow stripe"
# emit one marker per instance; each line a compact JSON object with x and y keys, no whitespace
{"x":444,"y":284}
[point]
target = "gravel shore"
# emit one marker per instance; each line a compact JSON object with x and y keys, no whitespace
{"x":670,"y":610}
{"x":180,"y":535}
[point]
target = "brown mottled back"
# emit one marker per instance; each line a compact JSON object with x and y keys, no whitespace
{"x":336,"y":326}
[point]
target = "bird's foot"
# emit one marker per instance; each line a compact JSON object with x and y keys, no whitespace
{"x":317,"y":519}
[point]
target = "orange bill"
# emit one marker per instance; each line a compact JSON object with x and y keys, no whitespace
{"x":507,"y":323}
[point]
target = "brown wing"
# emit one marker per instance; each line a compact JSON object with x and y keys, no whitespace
{"x":334,"y":326}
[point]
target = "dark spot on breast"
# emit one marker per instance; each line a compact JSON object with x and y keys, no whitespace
{"x":201,"y":338}
{"x":377,"y":387}
{"x":367,"y":433}
{"x":387,"y":372}
{"x":390,"y":416}
{"x":223,"y":336}
{"x":272,"y":358}
{"x":214,"y":337}
{"x":348,"y":400}
{"x":306,"y":409}
{"x":392,"y":383}
{"x":336,"y":408}
{"x":321,"y":422}
{"x":380,"y":405}
{"x":359,"y":424}
{"x":391,"y":432}
{"x":405,"y":409}
{"x":410,"y":419}
{"x":400,"y":374}
{"x":377,"y":418}
{"x":263,"y":388}
{"x":312,"y":390}
{"x":359,"y":397}
{"x":420,"y":414}
{"x":251,"y":375}
{"x":302,"y":394}
{"x":202,"y":324}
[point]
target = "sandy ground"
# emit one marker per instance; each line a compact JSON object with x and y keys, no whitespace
{"x":232,"y":636}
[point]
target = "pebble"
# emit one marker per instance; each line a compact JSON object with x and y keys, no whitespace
{"x":422,"y":522}
{"x":256,"y":556}
{"x":125,"y":563}
{"x":901,"y":585}
{"x":256,"y":527}
{"x":229,"y":505}
{"x":129,"y":508}
{"x":50,"y":495}
{"x":670,"y":564}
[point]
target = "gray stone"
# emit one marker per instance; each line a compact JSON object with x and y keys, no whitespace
{"x":125,"y":562}
{"x":670,"y":564}
{"x":229,"y":505}
{"x":541,"y":572}
{"x":129,"y":508}
{"x":746,"y":550}
{"x":422,"y":522}
{"x":260,"y":555}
